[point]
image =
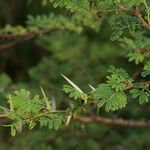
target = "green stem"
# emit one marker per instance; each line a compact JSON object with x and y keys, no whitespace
{"x":48,"y":112}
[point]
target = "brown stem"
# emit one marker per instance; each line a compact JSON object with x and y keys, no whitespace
{"x":122,"y":8}
{"x":102,"y":120}
{"x":22,"y":37}
{"x":19,"y":39}
{"x":130,"y":86}
{"x":8,"y":45}
{"x":137,"y":13}
{"x":110,"y":121}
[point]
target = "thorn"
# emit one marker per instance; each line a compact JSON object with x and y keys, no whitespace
{"x":10,"y":103}
{"x":48,"y":106}
{"x":91,"y":87}
{"x":74,"y":85}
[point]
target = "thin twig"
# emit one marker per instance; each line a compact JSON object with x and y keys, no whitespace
{"x":116,"y":121}
{"x":122,"y":8}
{"x":47,"y":113}
{"x":19,"y":39}
{"x":30,"y":35}
{"x":102,"y":120}
{"x":8,"y":45}
{"x":148,"y":11}
{"x":137,"y":13}
{"x":22,"y":37}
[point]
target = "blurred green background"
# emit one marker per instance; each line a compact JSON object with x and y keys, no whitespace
{"x":84,"y":58}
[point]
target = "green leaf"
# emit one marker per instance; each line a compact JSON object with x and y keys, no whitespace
{"x":129,"y":3}
{"x":143,"y":98}
{"x":142,"y":95}
{"x":122,"y":24}
{"x":73,"y":93}
{"x":112,"y":100}
{"x":118,"y":78}
{"x":103,"y":91}
{"x":71,"y":5}
{"x":117,"y":101}
{"x":146,"y":69}
{"x":135,"y":93}
{"x":135,"y":56}
{"x":52,"y":121}
{"x":57,"y":123}
{"x":22,"y":104}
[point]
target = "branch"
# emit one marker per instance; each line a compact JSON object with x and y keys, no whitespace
{"x":137,"y":13}
{"x":102,"y":120}
{"x":4,"y":121}
{"x":8,"y":45}
{"x":21,"y":38}
{"x":27,"y":35}
{"x":110,"y":121}
{"x":13,"y":36}
{"x":124,"y":9}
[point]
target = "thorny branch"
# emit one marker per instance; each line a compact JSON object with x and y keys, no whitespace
{"x":110,"y":121}
{"x":21,"y":38}
{"x":30,"y":35}
{"x":136,"y":12}
{"x":101,"y":120}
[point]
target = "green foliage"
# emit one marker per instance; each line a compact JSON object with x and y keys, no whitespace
{"x":129,"y":4}
{"x":41,"y":24}
{"x":141,"y":92}
{"x":112,"y":100}
{"x":51,"y":121}
{"x":28,"y":110}
{"x":24,"y":105}
{"x":73,"y":93}
{"x":137,"y":47}
{"x":70,"y":5}
{"x":118,"y":79}
{"x":146,"y":70}
{"x":13,"y":30}
{"x":112,"y":94}
{"x":51,"y":22}
{"x":124,"y":24}
{"x":75,"y":39}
